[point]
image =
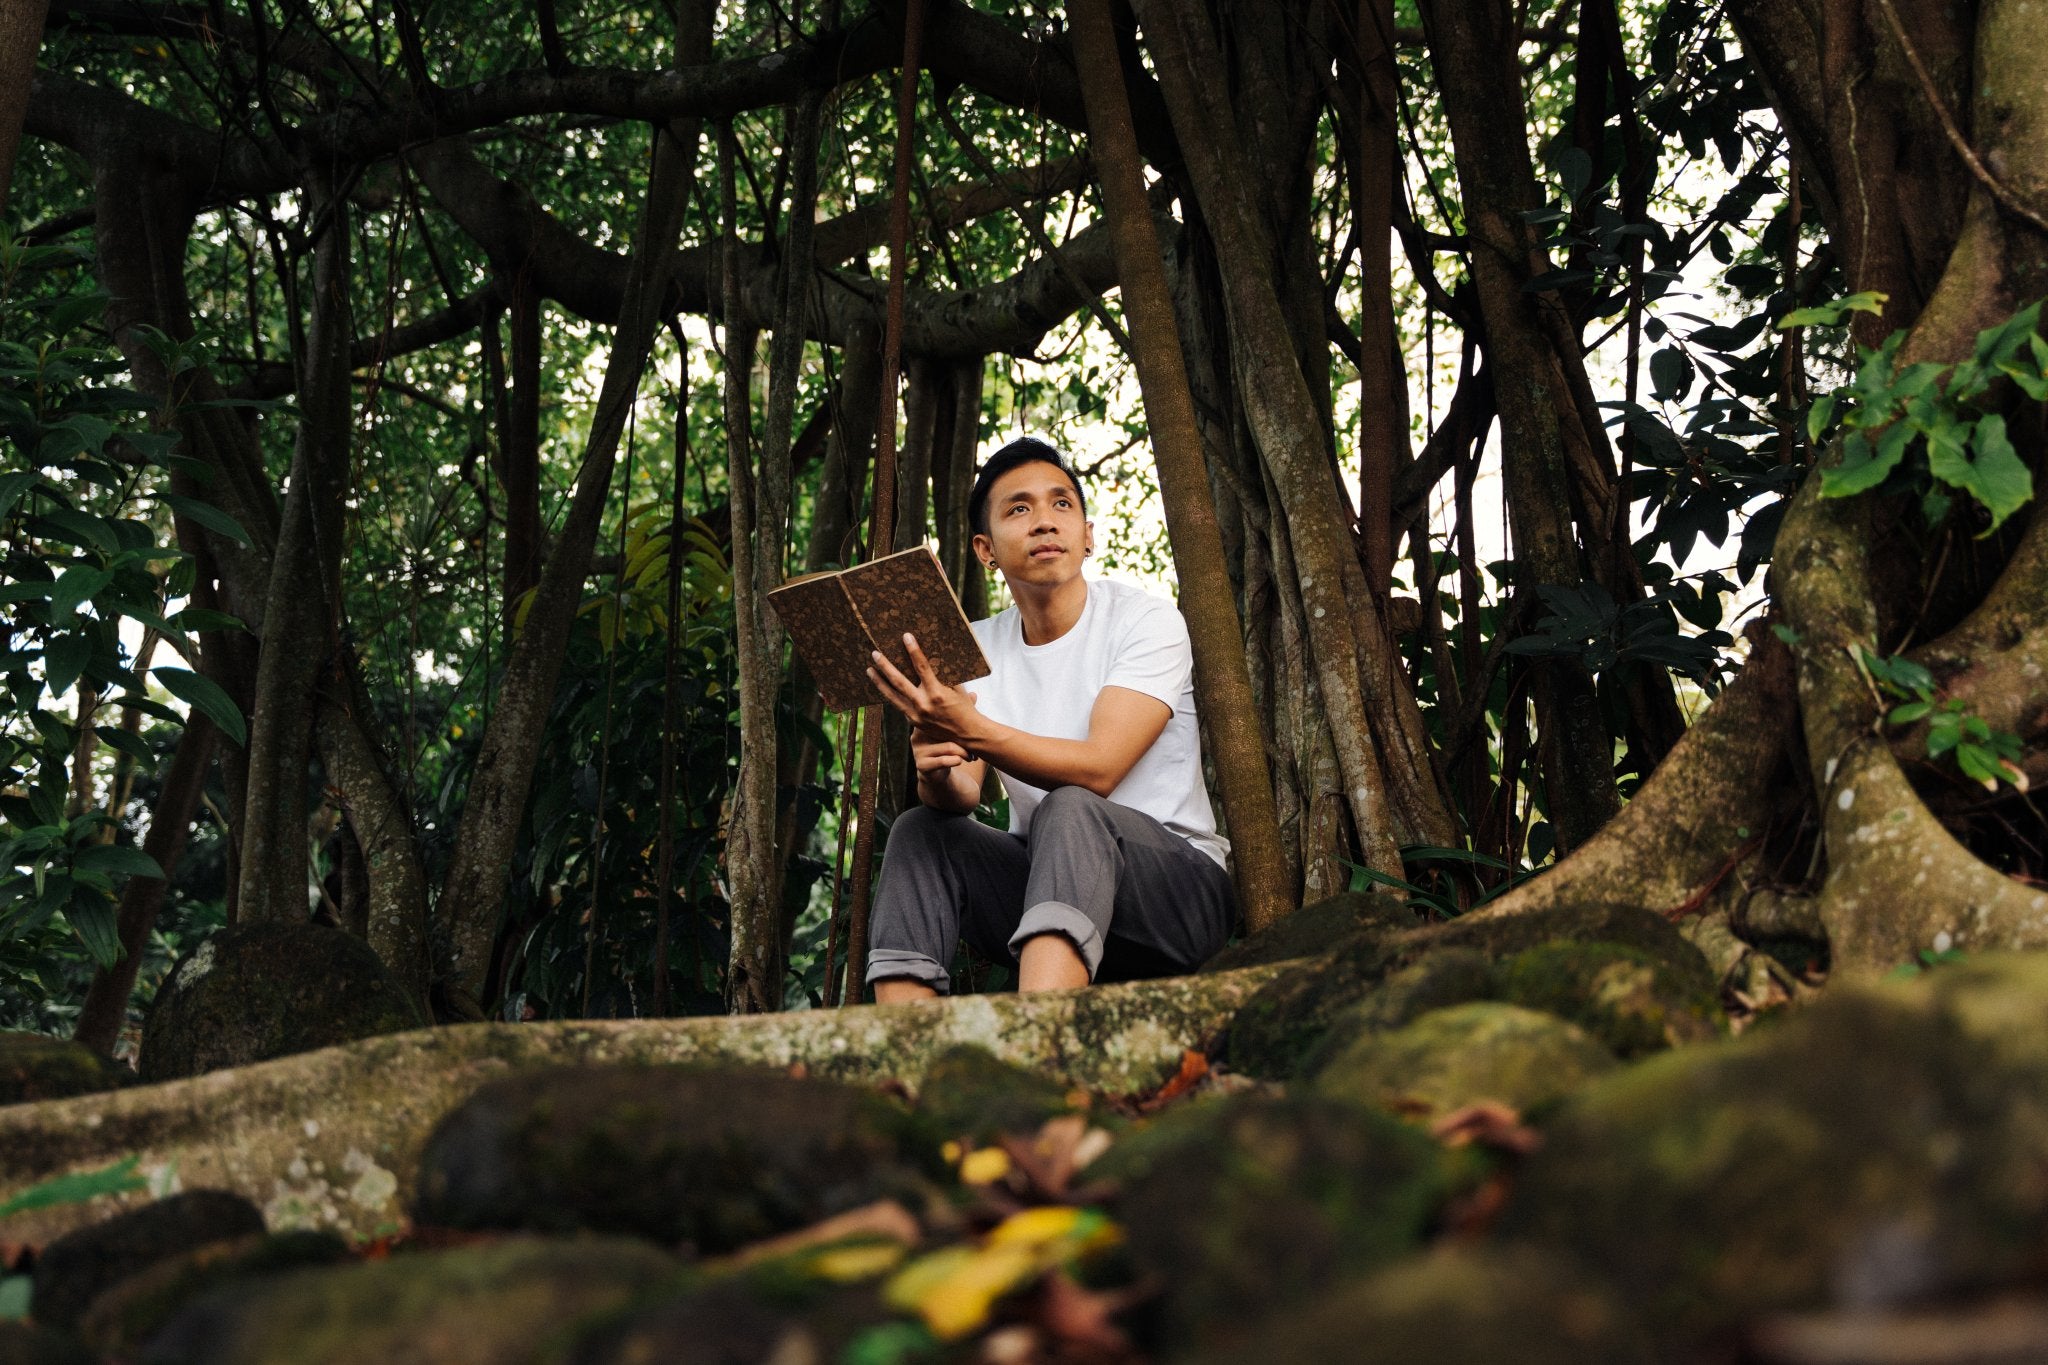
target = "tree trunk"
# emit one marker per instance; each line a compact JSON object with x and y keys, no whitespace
{"x":105,"y":1007}
{"x":21,"y":36}
{"x":299,"y":634}
{"x":473,"y":893}
{"x":1389,"y":803}
{"x":1223,"y":682}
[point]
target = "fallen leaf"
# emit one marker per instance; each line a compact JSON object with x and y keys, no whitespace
{"x":1488,"y":1123}
{"x":885,"y":1220}
{"x":984,"y":1167}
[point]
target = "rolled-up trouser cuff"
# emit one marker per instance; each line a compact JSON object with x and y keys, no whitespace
{"x":1057,"y":917}
{"x":885,"y":963}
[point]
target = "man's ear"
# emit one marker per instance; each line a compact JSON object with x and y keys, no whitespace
{"x":1087,"y":537}
{"x":984,"y":550}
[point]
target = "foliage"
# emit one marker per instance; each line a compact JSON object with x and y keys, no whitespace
{"x":1985,"y":756}
{"x":1928,"y":428}
{"x":84,"y":520}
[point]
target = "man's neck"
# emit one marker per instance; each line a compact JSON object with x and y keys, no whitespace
{"x":1048,"y":613}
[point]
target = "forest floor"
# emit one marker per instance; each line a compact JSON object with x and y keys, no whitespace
{"x":1531,"y":1139}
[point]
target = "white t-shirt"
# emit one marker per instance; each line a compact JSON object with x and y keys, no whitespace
{"x":1126,"y":637}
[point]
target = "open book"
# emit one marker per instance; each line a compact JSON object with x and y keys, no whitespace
{"x":837,"y":617}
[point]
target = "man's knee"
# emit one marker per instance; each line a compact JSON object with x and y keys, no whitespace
{"x":1064,"y":806}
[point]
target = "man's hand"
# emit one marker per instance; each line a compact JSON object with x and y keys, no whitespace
{"x":936,"y":757}
{"x":944,"y":714}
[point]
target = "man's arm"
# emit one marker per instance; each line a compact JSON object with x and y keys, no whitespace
{"x":1122,"y":725}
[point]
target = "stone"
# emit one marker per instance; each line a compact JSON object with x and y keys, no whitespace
{"x":75,"y":1269}
{"x":1316,"y":929}
{"x":27,"y":1343}
{"x":1449,"y":976}
{"x":1454,"y":1306}
{"x":971,"y":1095}
{"x":505,"y":1302}
{"x":1632,"y":1001}
{"x":740,"y":1320}
{"x":1276,"y":1033}
{"x":1886,"y":1146}
{"x":1449,"y":1058}
{"x":251,"y":992}
{"x":34,"y":1066}
{"x":122,"y":1319}
{"x":716,"y":1158}
{"x":1242,"y":1205}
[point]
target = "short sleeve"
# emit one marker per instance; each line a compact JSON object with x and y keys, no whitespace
{"x":1154,"y":656}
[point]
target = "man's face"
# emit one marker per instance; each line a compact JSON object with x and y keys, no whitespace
{"x":1037,"y":534}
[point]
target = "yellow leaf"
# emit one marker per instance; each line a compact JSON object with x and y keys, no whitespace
{"x":861,"y":1261}
{"x":984,"y":1167}
{"x":955,"y":1295}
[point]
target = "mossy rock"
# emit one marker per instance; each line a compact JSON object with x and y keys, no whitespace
{"x":28,"y":1343}
{"x":1632,"y":1001}
{"x":1316,"y":929}
{"x":121,"y":1320}
{"x":1449,"y":976}
{"x":765,"y":1315}
{"x":1276,"y":1034}
{"x":1244,"y":1204}
{"x":34,"y":1066}
{"x":1884,"y":1146}
{"x":507,"y":1302}
{"x":1456,"y":1306}
{"x":716,"y":1158}
{"x":252,"y":992}
{"x":77,"y":1268}
{"x":970,"y":1095}
{"x":1449,"y":1058}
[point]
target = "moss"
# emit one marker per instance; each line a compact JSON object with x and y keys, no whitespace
{"x":1456,"y":1306}
{"x":1315,"y":929}
{"x":713,"y":1157}
{"x":73,"y":1270}
{"x":501,"y":1303}
{"x":1278,"y":1031}
{"x":121,"y":1320}
{"x":256,"y":991}
{"x":1447,"y":977}
{"x":759,"y":1316}
{"x":36,"y":1067}
{"x":1881,"y":1146}
{"x":1243,"y":1205}
{"x":971,"y":1095}
{"x":1449,"y":1058}
{"x":1633,"y":1002}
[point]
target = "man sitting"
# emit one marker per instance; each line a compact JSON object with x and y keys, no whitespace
{"x":1089,"y":716}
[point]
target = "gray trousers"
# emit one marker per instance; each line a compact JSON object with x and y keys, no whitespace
{"x":1132,"y":896}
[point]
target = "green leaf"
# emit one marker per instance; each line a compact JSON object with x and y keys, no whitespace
{"x":78,"y":584}
{"x":82,"y":529}
{"x":14,"y":1296}
{"x":1909,"y":712}
{"x":1863,"y":468}
{"x":1833,"y":314}
{"x":114,"y":737}
{"x":209,"y":516}
{"x":12,"y":486}
{"x":203,"y":618}
{"x":1978,"y":765}
{"x":117,"y":859}
{"x":206,"y":694}
{"x":93,"y":918}
{"x":77,"y":1187}
{"x":1818,"y":415}
{"x":64,"y":658}
{"x":1996,"y":478}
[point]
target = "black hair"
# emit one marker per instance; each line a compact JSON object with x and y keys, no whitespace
{"x":1023,"y":450}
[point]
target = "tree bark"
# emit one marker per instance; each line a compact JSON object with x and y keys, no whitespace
{"x":1223,"y":681}
{"x":21,"y":36}
{"x":1389,"y":802}
{"x":473,"y":893}
{"x":299,"y":634}
{"x":105,"y":1007}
